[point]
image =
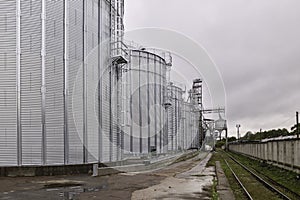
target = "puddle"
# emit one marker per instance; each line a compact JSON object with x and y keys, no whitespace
{"x":72,"y":193}
{"x":62,"y":183}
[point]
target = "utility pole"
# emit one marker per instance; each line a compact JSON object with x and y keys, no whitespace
{"x":297,"y":124}
{"x":226,"y":136}
{"x":260,"y":135}
{"x":238,"y":131}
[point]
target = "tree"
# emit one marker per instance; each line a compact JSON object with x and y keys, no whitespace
{"x":294,"y":129}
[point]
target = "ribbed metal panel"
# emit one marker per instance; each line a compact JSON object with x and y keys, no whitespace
{"x":161,"y":108}
{"x":126,"y":109}
{"x":105,"y":116}
{"x":151,"y":111}
{"x":105,"y":82}
{"x":143,"y":93}
{"x":170,"y":128}
{"x":188,"y":126}
{"x":115,"y":100}
{"x":59,"y":71}
{"x":151,"y":103}
{"x":54,"y":82}
{"x":135,"y":108}
{"x":8,"y":97}
{"x":145,"y":88}
{"x":31,"y":82}
{"x":175,"y":94}
{"x":157,"y":103}
{"x":75,"y":67}
{"x":126,"y":122}
{"x":92,"y":80}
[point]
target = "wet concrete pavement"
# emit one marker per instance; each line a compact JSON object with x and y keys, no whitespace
{"x":183,"y":180}
{"x":191,"y":184}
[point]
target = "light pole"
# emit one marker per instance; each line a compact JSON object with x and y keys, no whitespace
{"x":297,"y":124}
{"x":238,"y":131}
{"x":260,"y":135}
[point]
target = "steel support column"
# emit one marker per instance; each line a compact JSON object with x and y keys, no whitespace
{"x":66,"y":84}
{"x":18,"y":80}
{"x":43,"y":88}
{"x":84,"y":69}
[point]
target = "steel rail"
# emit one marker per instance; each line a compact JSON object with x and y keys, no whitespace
{"x":272,"y":181}
{"x":268,"y":185}
{"x":238,"y":180}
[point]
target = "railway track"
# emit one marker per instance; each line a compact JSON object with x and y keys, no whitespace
{"x":271,"y":189}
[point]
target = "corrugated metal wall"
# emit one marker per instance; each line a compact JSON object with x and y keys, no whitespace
{"x":105,"y":107}
{"x":174,"y":117}
{"x":190,"y":123}
{"x":50,"y":65}
{"x":31,"y":82}
{"x":144,"y":85}
{"x":54,"y":75}
{"x":59,"y":67}
{"x":92,"y":70}
{"x":75,"y":68}
{"x":8,"y":78}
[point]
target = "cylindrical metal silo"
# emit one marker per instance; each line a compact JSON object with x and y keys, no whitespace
{"x":190,"y":127}
{"x":143,"y":113}
{"x":174,"y":117}
{"x":51,"y":54}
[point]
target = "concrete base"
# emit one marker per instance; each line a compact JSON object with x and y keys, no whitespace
{"x":126,"y":165}
{"x":45,"y":170}
{"x":145,"y":165}
{"x":223,"y":187}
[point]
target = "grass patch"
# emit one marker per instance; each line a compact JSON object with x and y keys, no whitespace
{"x":236,"y":189}
{"x":214,"y":193}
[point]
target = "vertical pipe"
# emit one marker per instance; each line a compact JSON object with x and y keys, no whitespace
{"x":119,"y":136}
{"x":167,"y":130}
{"x":172,"y":119}
{"x":297,"y":124}
{"x":112,"y":39}
{"x":140,"y":108}
{"x":160,"y":103}
{"x":226,"y":136}
{"x":130,"y":104}
{"x":155,"y":101}
{"x":66,"y":87}
{"x":99,"y":82}
{"x":110,"y":116}
{"x":148,"y":104}
{"x":175,"y":120}
{"x":18,"y":77}
{"x":84,"y":66}
{"x":43,"y":88}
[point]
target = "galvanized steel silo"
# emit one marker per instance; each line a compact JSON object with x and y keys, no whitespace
{"x":143,"y":114}
{"x":190,"y":126}
{"x":174,"y":112}
{"x":51,"y":55}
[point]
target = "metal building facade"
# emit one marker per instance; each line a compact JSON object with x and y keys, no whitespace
{"x":68,"y":95}
{"x":9,"y":42}
{"x":52,"y":56}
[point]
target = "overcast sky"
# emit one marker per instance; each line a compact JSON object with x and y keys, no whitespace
{"x":254,"y":43}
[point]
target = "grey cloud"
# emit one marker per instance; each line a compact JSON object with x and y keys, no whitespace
{"x":255,"y":44}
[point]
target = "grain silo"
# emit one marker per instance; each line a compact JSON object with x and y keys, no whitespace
{"x":190,"y":126}
{"x":174,"y":112}
{"x":143,"y":96}
{"x":53,"y":52}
